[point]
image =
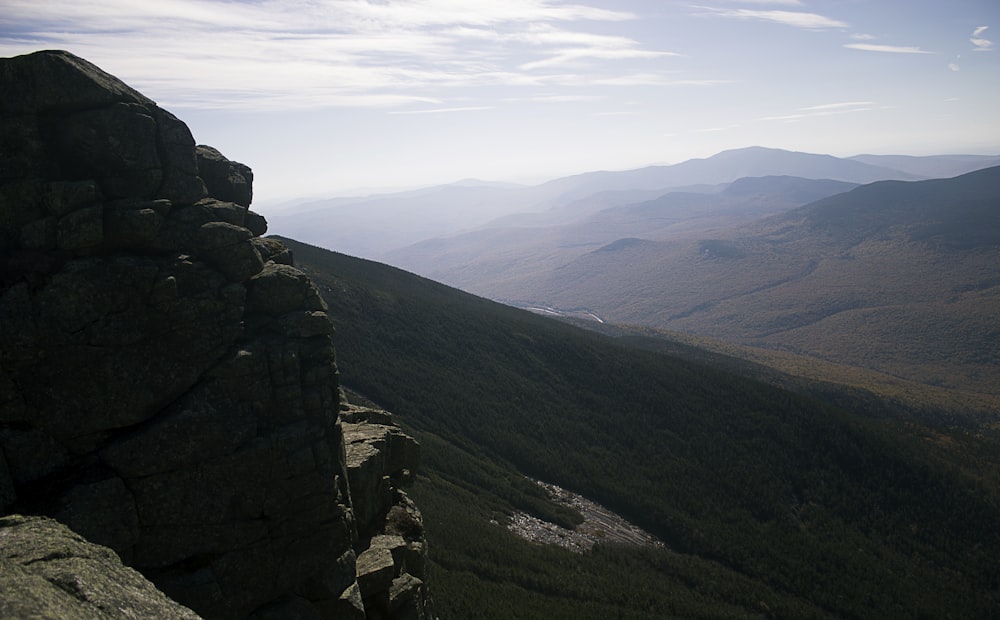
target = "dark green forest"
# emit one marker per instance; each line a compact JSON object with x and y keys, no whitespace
{"x":771,"y":503}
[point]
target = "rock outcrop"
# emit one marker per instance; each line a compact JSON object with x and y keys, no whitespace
{"x":50,"y":572}
{"x":392,"y":554}
{"x":168,"y":385}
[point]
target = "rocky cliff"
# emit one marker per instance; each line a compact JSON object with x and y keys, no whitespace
{"x":168,"y":386}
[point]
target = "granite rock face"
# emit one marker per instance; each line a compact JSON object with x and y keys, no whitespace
{"x":168,"y":385}
{"x":50,"y":572}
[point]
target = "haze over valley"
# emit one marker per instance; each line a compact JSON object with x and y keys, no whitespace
{"x":839,"y":259}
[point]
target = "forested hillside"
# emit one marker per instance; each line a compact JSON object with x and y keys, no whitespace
{"x":770,"y":503}
{"x":897,"y":277}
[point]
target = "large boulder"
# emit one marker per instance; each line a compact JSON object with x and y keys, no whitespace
{"x":226,"y":180}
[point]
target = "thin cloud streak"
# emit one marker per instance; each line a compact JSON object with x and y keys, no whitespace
{"x":645,"y":79}
{"x":798,"y":19}
{"x":571,"y":56}
{"x":837,"y":106}
{"x":888,"y":49}
{"x":470,"y":108}
{"x":717,"y":129}
{"x":822,"y":110}
{"x":779,"y":2}
{"x":554,"y":98}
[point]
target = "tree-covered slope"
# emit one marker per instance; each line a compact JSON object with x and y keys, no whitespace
{"x":770,"y":504}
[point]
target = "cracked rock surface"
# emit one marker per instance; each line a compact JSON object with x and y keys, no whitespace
{"x":168,"y":387}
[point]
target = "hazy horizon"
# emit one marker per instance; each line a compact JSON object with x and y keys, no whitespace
{"x":332,"y":97}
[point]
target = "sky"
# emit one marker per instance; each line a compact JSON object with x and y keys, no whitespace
{"x":340,"y":97}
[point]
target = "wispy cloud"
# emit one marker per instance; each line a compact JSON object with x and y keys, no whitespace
{"x":888,"y":49}
{"x":649,"y":79}
{"x":575,"y":55}
{"x":280,"y":54}
{"x":779,"y":2}
{"x":717,"y":129}
{"x":471,"y":108}
{"x":844,"y":105}
{"x":825,"y":109}
{"x":980,"y":43}
{"x":554,"y":98}
{"x":798,"y":19}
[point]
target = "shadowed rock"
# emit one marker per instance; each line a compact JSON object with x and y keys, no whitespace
{"x":168,"y":385}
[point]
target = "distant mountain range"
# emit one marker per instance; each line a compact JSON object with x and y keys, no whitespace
{"x":483,"y":260}
{"x":757,"y":246}
{"x":901,"y":277}
{"x":372,"y":226}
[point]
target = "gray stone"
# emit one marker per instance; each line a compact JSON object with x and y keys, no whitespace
{"x":131,"y":224}
{"x":256,"y":223}
{"x":50,"y":572}
{"x":404,"y":519}
{"x":280,"y":289}
{"x":355,"y":414}
{"x":394,"y":544}
{"x":376,"y":453}
{"x":375,"y":572}
{"x":371,"y":492}
{"x":351,"y":606}
{"x":403,"y":591}
{"x":228,"y":247}
{"x":273,"y":250}
{"x":225,"y":180}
